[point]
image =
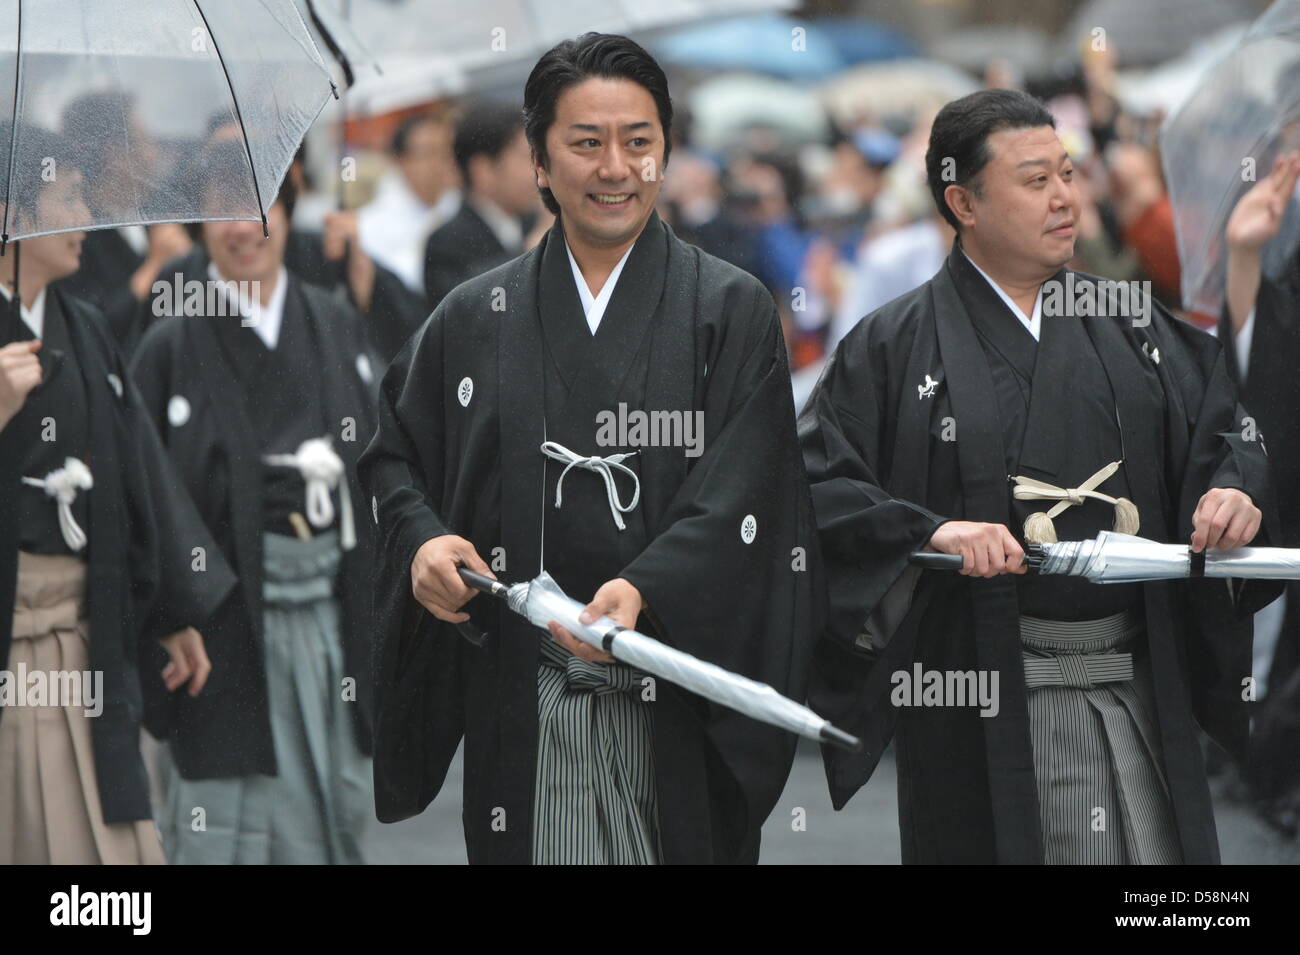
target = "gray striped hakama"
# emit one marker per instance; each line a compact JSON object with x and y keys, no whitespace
{"x":1102,"y":794}
{"x":594,"y":796}
{"x":315,"y":809}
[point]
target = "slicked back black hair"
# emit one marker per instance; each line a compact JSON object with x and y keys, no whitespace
{"x":959,"y":148}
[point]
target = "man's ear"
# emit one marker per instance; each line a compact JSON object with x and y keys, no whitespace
{"x":960,"y":201}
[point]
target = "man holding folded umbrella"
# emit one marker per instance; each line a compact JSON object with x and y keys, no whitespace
{"x":508,"y":440}
{"x":997,"y":405}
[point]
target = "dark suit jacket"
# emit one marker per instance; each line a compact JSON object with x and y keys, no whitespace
{"x":461,"y":248}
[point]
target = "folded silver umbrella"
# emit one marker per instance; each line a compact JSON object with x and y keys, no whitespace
{"x":1113,"y":558}
{"x":541,"y":600}
{"x":1121,"y":558}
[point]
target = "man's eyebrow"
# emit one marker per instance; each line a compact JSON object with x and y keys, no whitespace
{"x":1042,"y":162}
{"x":626,"y":127}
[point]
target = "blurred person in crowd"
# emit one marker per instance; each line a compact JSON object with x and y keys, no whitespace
{"x":498,"y":200}
{"x":1088,"y":749}
{"x":1145,"y":215}
{"x":698,"y":208}
{"x":837,"y":219}
{"x":118,"y":265}
{"x":314,"y":204}
{"x":913,"y":241}
{"x":412,"y":199}
{"x":1261,"y":329}
{"x":263,"y":391}
{"x":96,"y":561}
{"x":332,"y":260}
{"x":767,"y":188}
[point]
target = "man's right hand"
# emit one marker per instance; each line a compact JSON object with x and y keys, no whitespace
{"x":986,"y":549}
{"x":434,"y":578}
{"x":20,"y":372}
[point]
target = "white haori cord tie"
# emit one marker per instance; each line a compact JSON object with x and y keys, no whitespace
{"x":322,"y":471}
{"x":62,"y":484}
{"x":601,"y":466}
{"x":1039,"y":528}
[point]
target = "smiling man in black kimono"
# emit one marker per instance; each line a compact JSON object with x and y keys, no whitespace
{"x":491,"y":425}
{"x":924,"y":414}
{"x":264,"y":401}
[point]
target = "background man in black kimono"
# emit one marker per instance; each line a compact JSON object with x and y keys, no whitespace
{"x":570,"y":757}
{"x":923,"y":413}
{"x":1260,"y":327}
{"x":90,"y":582}
{"x":265,"y":405}
{"x":497,"y":200}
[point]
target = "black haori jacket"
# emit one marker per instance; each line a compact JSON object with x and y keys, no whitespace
{"x":226,"y":730}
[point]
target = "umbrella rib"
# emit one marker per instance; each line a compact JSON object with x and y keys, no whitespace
{"x":13,"y":130}
{"x":239,"y":116}
{"x":335,"y":49}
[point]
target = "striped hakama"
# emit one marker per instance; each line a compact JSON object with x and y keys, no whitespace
{"x":49,"y":794}
{"x":594,"y":797}
{"x":1098,"y":764}
{"x":315,"y":809}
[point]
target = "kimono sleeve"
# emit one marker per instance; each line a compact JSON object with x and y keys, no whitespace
{"x":867,"y":534}
{"x":419,"y":707}
{"x":193,"y":576}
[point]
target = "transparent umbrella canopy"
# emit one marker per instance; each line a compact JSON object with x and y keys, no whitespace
{"x":1223,"y":138}
{"x":122,"y":95}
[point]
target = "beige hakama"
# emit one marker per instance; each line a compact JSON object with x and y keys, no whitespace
{"x":49,"y":795}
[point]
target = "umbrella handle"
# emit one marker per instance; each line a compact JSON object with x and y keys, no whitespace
{"x":930,"y":560}
{"x":480,"y":582}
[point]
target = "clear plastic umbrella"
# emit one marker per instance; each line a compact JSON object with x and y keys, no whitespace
{"x":541,"y":600}
{"x":1223,"y":138}
{"x":125,"y":92}
{"x":1113,"y":558}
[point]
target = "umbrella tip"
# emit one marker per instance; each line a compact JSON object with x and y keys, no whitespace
{"x":334,"y":89}
{"x":839,"y":738}
{"x":266,"y":232}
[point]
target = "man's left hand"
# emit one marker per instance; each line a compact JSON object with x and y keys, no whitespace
{"x":189,"y":661}
{"x":616,"y":599}
{"x":1225,"y":518}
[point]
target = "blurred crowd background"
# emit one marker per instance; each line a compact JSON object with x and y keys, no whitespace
{"x":799,"y":142}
